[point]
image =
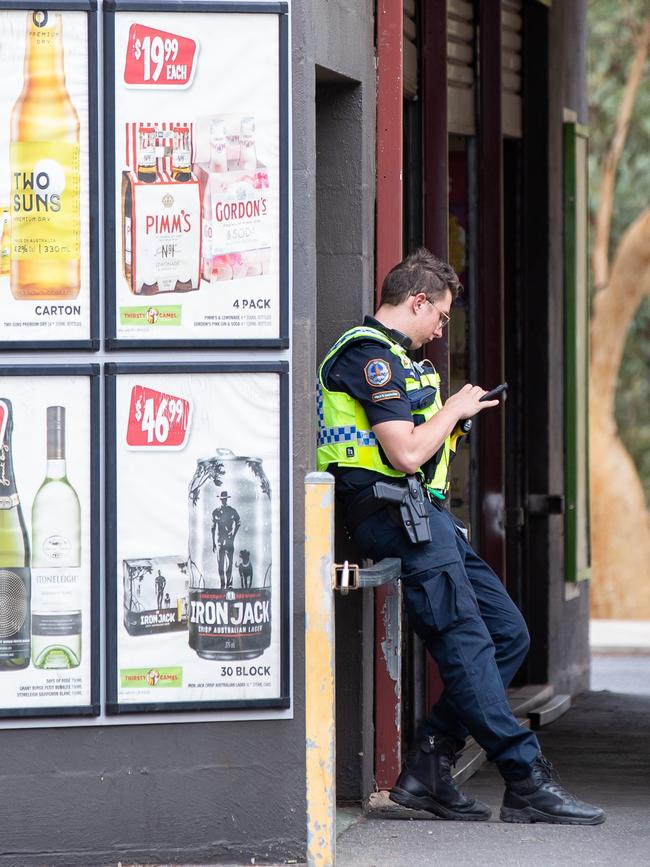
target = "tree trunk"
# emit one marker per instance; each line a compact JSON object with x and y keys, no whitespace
{"x":603,"y":222}
{"x":620,"y":522}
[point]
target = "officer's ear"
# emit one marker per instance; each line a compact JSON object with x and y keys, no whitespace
{"x":418,"y":301}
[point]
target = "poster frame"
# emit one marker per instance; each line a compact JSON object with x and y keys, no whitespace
{"x":281,"y":9}
{"x":93,"y":372}
{"x":113,"y":615}
{"x":92,"y":342}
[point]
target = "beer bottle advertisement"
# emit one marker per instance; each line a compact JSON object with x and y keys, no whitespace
{"x":45,"y":542}
{"x":197,"y":178}
{"x":44,"y":176}
{"x":198,"y":587}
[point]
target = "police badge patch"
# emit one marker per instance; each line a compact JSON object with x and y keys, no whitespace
{"x":377,"y":372}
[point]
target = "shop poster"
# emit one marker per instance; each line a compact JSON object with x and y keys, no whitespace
{"x":47,"y":623}
{"x":196,"y":177}
{"x":45,"y":249}
{"x":196,"y":578}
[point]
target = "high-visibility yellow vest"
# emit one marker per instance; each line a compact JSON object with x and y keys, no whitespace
{"x":345,"y":437}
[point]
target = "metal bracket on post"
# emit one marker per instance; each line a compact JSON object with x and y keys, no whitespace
{"x":345,"y":577}
{"x":349,"y":576}
{"x":382,"y":572}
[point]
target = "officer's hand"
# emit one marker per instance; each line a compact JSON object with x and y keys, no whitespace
{"x":467,"y":402}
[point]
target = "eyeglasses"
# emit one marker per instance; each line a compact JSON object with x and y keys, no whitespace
{"x":445,"y":318}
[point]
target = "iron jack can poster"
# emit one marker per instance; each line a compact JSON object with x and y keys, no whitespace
{"x":198,"y":583}
{"x":196,"y":176}
{"x":45,"y":250}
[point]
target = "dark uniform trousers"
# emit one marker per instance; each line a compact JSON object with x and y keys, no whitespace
{"x":470,"y":626}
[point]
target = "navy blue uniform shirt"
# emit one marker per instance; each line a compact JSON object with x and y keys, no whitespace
{"x":369,"y":372}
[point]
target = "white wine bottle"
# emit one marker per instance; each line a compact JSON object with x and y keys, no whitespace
{"x":15,"y":582}
{"x":57,"y":591}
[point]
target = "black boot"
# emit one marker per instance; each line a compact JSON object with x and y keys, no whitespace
{"x":541,"y":798}
{"x":426,"y":784}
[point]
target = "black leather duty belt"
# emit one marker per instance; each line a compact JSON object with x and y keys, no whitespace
{"x":363,"y":506}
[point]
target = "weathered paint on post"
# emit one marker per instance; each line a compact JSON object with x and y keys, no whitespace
{"x":388,"y":681}
{"x":320,"y":732}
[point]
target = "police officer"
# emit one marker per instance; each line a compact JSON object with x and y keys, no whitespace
{"x":381,"y":419}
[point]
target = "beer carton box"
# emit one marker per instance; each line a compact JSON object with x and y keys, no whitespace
{"x":161,"y":234}
{"x":237,"y":227}
{"x":155,"y":594}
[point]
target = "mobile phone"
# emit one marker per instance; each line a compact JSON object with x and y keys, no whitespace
{"x":490,"y":395}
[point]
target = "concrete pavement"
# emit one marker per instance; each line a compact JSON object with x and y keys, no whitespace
{"x":630,"y":637}
{"x":630,"y":674}
{"x":601,"y":748}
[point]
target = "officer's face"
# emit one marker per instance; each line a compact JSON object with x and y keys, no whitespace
{"x":431,"y":317}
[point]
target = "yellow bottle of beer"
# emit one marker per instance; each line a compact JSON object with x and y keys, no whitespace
{"x":45,"y":200}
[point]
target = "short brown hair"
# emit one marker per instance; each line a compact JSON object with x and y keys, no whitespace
{"x":420,"y":271}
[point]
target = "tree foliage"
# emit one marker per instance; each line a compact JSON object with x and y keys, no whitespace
{"x":613,"y":26}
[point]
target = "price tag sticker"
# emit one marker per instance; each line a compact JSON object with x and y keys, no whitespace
{"x":155,"y":58}
{"x":157,"y":420}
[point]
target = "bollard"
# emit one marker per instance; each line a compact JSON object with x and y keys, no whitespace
{"x":320,"y":711}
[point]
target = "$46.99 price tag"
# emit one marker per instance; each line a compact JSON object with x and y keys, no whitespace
{"x":157,"y":420}
{"x":158,"y":58}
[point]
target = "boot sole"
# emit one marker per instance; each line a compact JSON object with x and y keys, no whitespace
{"x":413,"y":802}
{"x":529,"y":815}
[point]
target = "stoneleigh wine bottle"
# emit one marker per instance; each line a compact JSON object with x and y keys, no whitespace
{"x":57,"y":586}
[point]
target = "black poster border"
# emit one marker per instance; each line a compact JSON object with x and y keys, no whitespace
{"x":92,"y":342}
{"x":111,"y":372}
{"x":93,"y":372}
{"x":281,"y":9}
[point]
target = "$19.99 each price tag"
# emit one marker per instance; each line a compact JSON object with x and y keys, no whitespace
{"x":157,"y":58}
{"x":157,"y":420}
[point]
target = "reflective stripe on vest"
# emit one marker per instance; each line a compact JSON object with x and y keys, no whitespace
{"x":345,"y":437}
